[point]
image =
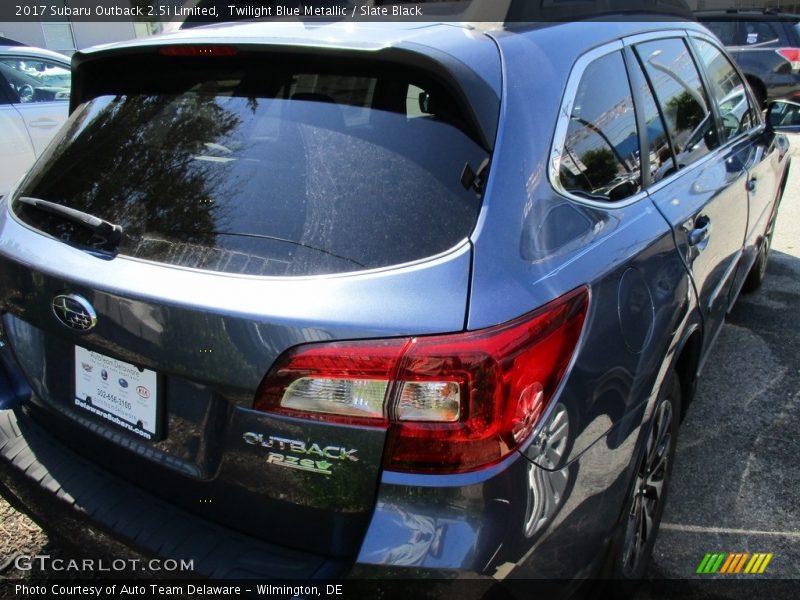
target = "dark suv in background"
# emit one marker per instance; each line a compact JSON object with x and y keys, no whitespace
{"x":765,"y":44}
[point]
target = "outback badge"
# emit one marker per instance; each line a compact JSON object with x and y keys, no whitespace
{"x":312,"y":458}
{"x":74,"y":312}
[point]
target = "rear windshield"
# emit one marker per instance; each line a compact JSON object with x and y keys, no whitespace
{"x":280,"y":173}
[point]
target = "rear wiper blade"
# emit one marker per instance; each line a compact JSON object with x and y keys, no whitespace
{"x":109,"y":231}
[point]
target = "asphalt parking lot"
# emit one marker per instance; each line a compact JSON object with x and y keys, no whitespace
{"x":736,"y":478}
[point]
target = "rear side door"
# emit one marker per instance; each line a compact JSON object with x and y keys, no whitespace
{"x":743,"y":127}
{"x":702,"y":191}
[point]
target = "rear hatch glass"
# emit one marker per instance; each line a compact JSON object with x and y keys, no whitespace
{"x":281,"y":171}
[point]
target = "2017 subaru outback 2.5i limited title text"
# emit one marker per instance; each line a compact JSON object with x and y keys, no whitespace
{"x":303,"y":302}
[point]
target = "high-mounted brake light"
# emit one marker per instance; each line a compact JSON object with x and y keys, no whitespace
{"x":792,"y":55}
{"x":190,"y":50}
{"x":451,"y":403}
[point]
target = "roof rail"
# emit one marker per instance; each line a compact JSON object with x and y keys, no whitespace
{"x":523,"y":11}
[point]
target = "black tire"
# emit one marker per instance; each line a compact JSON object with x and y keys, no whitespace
{"x":644,"y":504}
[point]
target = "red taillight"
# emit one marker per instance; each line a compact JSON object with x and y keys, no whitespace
{"x":452,"y":403}
{"x":792,"y":55}
{"x":191,"y":50}
{"x":368,"y":366}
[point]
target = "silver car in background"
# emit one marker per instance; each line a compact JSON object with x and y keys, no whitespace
{"x":34,"y":103}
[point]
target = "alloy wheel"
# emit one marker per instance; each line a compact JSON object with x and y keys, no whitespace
{"x":648,"y":491}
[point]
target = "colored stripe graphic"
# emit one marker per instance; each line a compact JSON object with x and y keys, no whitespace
{"x":718,"y":564}
{"x":729,"y":564}
{"x":703,"y":563}
{"x":754,"y":564}
{"x":758,"y":564}
{"x":734,"y":561}
{"x":740,"y":564}
{"x":711,"y":563}
{"x":764,"y":564}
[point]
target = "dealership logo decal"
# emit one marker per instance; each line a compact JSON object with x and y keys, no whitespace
{"x":731,"y":563}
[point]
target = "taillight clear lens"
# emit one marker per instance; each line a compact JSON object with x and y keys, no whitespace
{"x":429,"y":401}
{"x":343,"y":382}
{"x":351,"y":397}
{"x":792,"y":55}
{"x":453,"y":403}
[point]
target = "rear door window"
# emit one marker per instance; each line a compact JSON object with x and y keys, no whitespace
{"x":278,"y":173}
{"x":728,"y":91}
{"x":600,"y":158}
{"x":681,"y":98}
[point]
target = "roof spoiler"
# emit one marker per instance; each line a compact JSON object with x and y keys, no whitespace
{"x":523,"y":11}
{"x":494,"y":11}
{"x":128,"y":69}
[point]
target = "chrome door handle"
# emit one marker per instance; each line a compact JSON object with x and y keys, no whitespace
{"x":44,"y":123}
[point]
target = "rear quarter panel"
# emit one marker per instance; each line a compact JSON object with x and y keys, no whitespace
{"x":533,"y":245}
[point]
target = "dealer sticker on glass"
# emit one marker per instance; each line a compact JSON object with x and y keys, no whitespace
{"x":117,"y":391}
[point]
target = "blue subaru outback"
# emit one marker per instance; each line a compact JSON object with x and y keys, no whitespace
{"x":306,"y":301}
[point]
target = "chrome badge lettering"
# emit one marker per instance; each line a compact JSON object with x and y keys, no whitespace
{"x":312,"y":457}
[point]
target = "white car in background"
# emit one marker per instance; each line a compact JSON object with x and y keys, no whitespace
{"x":34,"y":103}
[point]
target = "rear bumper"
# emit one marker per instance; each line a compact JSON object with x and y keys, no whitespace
{"x":105,"y":516}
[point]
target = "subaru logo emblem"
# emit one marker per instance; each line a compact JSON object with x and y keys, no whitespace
{"x":74,"y":311}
